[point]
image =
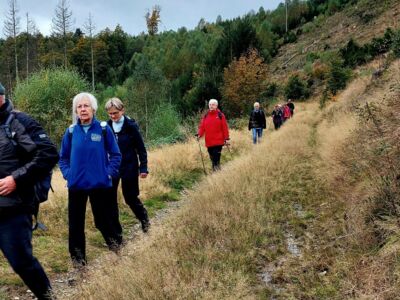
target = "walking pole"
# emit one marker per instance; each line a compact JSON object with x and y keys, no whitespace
{"x":201,"y":155}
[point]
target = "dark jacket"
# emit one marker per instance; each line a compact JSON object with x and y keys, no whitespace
{"x":32,"y":156}
{"x":277,"y":115}
{"x":132,"y":148}
{"x":257,"y":119}
{"x":88,"y":160}
{"x":291,"y":106}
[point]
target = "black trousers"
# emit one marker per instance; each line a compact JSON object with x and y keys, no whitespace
{"x":105,"y":213}
{"x":15,"y":243}
{"x":215,"y":156}
{"x":130,"y":191}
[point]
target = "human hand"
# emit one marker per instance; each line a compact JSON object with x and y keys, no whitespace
{"x":143,"y":175}
{"x":7,"y":185}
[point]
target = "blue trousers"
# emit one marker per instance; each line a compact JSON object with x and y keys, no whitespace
{"x":257,"y":132}
{"x":15,"y":243}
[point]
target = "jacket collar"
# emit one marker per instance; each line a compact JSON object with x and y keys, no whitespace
{"x":5,"y":110}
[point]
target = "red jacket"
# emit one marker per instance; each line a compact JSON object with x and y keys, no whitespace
{"x":286,"y":112}
{"x":215,"y":128}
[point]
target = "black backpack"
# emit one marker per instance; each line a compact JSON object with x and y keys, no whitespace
{"x":42,"y":185}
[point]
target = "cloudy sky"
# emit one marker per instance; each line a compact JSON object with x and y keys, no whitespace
{"x":130,"y":13}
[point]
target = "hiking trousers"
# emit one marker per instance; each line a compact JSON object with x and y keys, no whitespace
{"x":15,"y":243}
{"x":130,"y":191}
{"x":257,"y":134}
{"x":105,"y":214}
{"x":215,"y":156}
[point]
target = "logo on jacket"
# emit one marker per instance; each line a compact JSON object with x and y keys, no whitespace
{"x":95,"y":137}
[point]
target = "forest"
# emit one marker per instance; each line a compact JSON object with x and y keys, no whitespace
{"x":164,"y":77}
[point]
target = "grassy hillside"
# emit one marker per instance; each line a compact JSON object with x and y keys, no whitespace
{"x":310,"y":213}
{"x":361,"y":22}
{"x":294,"y":218}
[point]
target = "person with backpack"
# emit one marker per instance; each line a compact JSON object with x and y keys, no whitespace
{"x":286,"y":113}
{"x":89,"y":161}
{"x":133,"y":151}
{"x":26,"y":155}
{"x":277,"y":116}
{"x":257,"y":122}
{"x":215,"y":128}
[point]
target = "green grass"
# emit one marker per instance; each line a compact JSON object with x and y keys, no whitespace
{"x":182,"y":180}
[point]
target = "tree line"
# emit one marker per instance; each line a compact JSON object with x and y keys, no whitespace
{"x":176,"y":70}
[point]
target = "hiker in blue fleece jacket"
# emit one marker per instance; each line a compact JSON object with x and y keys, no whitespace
{"x":89,"y":160}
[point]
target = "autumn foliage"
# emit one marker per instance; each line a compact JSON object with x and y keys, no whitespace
{"x":244,"y":83}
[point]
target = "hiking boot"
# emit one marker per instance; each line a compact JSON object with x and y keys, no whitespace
{"x":145,"y":225}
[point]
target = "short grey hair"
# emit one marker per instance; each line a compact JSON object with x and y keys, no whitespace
{"x":92,"y":99}
{"x":114,"y":102}
{"x":212,"y":101}
{"x":256,"y":104}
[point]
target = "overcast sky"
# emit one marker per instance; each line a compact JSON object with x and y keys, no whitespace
{"x":130,"y":13}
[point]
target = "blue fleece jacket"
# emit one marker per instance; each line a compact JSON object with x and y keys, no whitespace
{"x":89,"y":160}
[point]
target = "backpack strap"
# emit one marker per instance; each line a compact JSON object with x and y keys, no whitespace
{"x":71,"y":130}
{"x":219,"y":115}
{"x":103,"y":125}
{"x":7,"y":127}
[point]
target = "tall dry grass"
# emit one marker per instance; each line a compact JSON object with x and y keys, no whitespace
{"x":211,"y":248}
{"x":236,"y":221}
{"x":166,"y":164}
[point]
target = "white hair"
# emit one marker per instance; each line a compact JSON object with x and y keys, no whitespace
{"x":93,"y":103}
{"x":212,"y":101}
{"x":256,"y":104}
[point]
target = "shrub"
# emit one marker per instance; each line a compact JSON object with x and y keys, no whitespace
{"x":164,"y":127}
{"x":353,"y":54}
{"x":47,"y":97}
{"x":396,"y":44}
{"x":272,"y":90}
{"x":319,"y":70}
{"x":296,"y":88}
{"x":289,"y":37}
{"x":381,"y":45}
{"x":337,"y":77}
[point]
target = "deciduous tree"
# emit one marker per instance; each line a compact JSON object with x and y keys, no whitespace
{"x":153,"y":19}
{"x":244,"y":82}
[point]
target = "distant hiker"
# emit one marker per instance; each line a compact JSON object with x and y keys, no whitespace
{"x":89,"y":160}
{"x":290,"y":104}
{"x":277,"y":116}
{"x":257,"y":122}
{"x":215,"y":128}
{"x":26,"y":153}
{"x":286,"y":113}
{"x":133,"y":151}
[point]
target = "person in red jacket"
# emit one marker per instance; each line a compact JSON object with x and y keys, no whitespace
{"x":215,"y":128}
{"x":286,"y":113}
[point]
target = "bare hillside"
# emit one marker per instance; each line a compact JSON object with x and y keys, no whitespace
{"x":362,"y":22}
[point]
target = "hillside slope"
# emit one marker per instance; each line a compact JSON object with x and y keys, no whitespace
{"x":361,"y":22}
{"x":292,"y":219}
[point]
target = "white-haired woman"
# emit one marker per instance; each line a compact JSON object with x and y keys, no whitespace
{"x":134,"y":159}
{"x":257,"y":122}
{"x":89,"y":159}
{"x":215,"y":128}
